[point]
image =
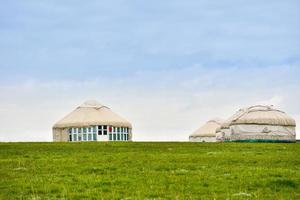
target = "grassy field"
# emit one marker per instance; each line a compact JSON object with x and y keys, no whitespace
{"x":149,"y":171}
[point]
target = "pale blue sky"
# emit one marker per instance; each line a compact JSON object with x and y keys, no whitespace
{"x":191,"y":60}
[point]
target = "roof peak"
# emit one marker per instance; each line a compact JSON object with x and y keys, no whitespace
{"x":256,"y":108}
{"x":216,"y":120}
{"x":91,"y":104}
{"x":260,"y":114}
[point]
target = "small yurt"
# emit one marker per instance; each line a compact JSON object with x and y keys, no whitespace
{"x":258,"y":123}
{"x":207,"y":132}
{"x":92,"y":121}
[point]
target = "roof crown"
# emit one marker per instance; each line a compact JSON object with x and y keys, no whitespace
{"x":91,"y":104}
{"x":260,"y":114}
{"x":92,"y":113}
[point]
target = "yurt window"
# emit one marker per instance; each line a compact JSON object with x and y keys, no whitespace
{"x":104,"y":130}
{"x":75,"y":137}
{"x":84,"y":130}
{"x":122,"y":136}
{"x":84,"y":137}
{"x":118,"y":136}
{"x":99,"y":130}
{"x":79,"y":130}
{"x":79,"y":137}
{"x":90,"y":129}
{"x":89,"y":137}
{"x":115,"y":137}
{"x":94,"y":136}
{"x":110,"y":136}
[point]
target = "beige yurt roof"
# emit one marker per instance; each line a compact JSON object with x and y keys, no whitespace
{"x":208,"y":129}
{"x":260,"y":115}
{"x":92,"y":113}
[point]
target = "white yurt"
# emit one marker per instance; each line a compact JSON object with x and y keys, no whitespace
{"x":258,"y":123}
{"x":207,"y":132}
{"x":92,"y":121}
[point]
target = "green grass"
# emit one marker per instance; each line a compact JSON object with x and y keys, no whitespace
{"x":149,"y":170}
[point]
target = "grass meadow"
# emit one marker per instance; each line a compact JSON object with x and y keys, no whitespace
{"x":144,"y":170}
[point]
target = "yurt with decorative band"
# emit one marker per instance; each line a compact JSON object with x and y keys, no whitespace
{"x":258,"y":123}
{"x":92,"y":121}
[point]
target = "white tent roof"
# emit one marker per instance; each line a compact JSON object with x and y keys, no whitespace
{"x":259,"y":114}
{"x":208,"y":129}
{"x":92,"y":113}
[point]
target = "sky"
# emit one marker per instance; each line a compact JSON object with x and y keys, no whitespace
{"x":166,"y":66}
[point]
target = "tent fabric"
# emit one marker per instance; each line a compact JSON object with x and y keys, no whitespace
{"x":208,"y":129}
{"x":263,"y":129}
{"x":60,"y":134}
{"x":260,"y":115}
{"x":262,"y":132}
{"x":227,"y":122}
{"x":92,"y":113}
{"x":258,"y":123}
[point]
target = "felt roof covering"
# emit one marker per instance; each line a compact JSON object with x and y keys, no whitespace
{"x":266,"y":115}
{"x":208,"y":129}
{"x":92,"y":113}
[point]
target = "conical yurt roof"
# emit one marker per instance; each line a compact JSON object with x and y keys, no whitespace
{"x":208,"y":129}
{"x":259,"y":114}
{"x":92,"y":113}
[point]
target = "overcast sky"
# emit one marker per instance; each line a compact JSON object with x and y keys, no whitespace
{"x":167,"y":66}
